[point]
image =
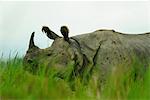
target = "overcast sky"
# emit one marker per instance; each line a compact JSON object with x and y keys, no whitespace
{"x":19,"y":19}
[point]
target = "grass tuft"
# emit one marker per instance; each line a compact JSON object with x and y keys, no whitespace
{"x":130,"y":82}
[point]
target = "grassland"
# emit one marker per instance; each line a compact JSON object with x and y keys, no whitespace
{"x":16,"y":83}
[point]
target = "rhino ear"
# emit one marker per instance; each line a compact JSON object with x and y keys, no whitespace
{"x":65,"y":32}
{"x":31,"y":43}
{"x":50,"y":34}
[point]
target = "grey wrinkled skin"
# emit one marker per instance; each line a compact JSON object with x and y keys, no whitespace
{"x":102,"y":49}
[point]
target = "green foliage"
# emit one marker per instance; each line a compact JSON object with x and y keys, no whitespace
{"x":124,"y":82}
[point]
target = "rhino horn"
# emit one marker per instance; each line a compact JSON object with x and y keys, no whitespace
{"x":50,"y":34}
{"x":31,"y":43}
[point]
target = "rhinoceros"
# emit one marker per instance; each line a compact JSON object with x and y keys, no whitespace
{"x":101,"y":50}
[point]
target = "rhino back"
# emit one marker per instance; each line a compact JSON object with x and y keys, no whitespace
{"x":109,"y":48}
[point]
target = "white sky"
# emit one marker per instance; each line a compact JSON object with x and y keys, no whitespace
{"x":19,"y":19}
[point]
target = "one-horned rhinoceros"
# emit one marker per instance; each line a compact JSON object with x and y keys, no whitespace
{"x":102,"y":49}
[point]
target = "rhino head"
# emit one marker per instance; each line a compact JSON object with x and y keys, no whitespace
{"x":59,"y":55}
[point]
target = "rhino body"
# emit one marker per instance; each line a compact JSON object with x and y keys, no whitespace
{"x":108,"y":48}
{"x":102,"y":49}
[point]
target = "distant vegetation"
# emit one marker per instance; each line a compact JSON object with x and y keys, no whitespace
{"x":16,"y":83}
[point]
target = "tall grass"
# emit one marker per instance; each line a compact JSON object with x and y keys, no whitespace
{"x":16,"y":83}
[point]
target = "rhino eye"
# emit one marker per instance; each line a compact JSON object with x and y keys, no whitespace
{"x":63,"y":53}
{"x":29,"y":61}
{"x":49,"y":54}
